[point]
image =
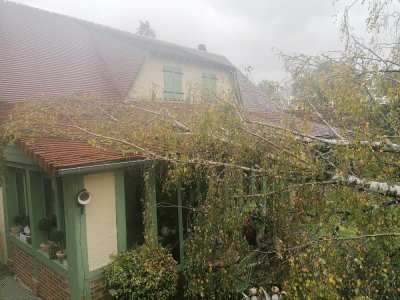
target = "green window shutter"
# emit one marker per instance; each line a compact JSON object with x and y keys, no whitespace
{"x":172,"y":83}
{"x":178,"y":86}
{"x":210,"y":82}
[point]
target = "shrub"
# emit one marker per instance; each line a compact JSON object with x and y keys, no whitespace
{"x":142,"y":273}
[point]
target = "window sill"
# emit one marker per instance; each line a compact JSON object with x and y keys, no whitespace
{"x":20,"y":242}
{"x":54,"y":264}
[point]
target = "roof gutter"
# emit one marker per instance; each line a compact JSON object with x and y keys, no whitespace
{"x":100,"y":168}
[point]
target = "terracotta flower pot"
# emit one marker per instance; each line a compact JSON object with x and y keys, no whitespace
{"x":45,"y":247}
{"x":61,"y":255}
{"x":16,"y":230}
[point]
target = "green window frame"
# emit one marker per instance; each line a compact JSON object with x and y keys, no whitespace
{"x":53,"y":204}
{"x":53,"y":201}
{"x":172,"y":83}
{"x":209,"y":82}
{"x":21,"y":192}
{"x":172,"y":204}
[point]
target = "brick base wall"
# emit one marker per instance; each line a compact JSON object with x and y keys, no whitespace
{"x":52,"y":285}
{"x":49,"y":285}
{"x":98,"y":291}
{"x":21,"y":264}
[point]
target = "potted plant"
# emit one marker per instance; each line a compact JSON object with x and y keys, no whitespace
{"x":26,"y":232}
{"x":45,"y":224}
{"x":17,"y":228}
{"x":53,"y":249}
{"x":58,"y":238}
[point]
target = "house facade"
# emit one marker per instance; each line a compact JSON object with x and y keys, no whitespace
{"x":34,"y":187}
{"x":92,"y":199}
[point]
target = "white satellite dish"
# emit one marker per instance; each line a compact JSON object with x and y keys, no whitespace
{"x":84,"y":197}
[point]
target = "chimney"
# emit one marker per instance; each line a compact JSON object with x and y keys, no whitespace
{"x":201,"y":47}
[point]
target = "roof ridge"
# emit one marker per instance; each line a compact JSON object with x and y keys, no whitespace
{"x":134,"y":35}
{"x":115,"y":30}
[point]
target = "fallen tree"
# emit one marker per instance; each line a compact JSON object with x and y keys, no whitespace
{"x":268,"y":191}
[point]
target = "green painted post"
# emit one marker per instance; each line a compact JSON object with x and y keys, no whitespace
{"x":35,"y":199}
{"x":11,"y":192}
{"x":57,"y":204}
{"x":10,"y":208}
{"x":36,"y":207}
{"x":75,"y":227}
{"x":120,"y":209}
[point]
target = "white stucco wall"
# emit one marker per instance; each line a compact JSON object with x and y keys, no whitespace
{"x":101,"y":224}
{"x":150,"y":79}
{"x":3,"y":247}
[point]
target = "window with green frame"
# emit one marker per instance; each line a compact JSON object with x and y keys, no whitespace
{"x":210,"y":82}
{"x":53,"y":203}
{"x":134,"y":206}
{"x":169,"y":218}
{"x":20,"y":181}
{"x":173,"y":213}
{"x":172,"y":83}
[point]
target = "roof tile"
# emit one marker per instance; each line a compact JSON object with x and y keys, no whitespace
{"x":52,"y":154}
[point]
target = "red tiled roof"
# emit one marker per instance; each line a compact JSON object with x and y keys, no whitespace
{"x":43,"y":53}
{"x":252,"y":97}
{"x":52,"y":54}
{"x":276,"y":117}
{"x":256,"y":101}
{"x":53,"y":154}
{"x":46,"y":53}
{"x":164,"y":48}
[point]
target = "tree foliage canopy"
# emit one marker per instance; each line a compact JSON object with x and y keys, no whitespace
{"x":145,"y":30}
{"x":319,"y":232}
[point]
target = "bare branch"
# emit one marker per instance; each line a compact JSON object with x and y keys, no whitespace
{"x":324,"y":121}
{"x":377,"y":146}
{"x":385,"y":61}
{"x":177,"y":123}
{"x":100,"y":109}
{"x":152,"y":154}
{"x":382,"y":188}
{"x":333,"y":239}
{"x":314,"y":183}
{"x":280,"y":148}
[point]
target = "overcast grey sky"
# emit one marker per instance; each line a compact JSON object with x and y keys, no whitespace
{"x":247,"y":32}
